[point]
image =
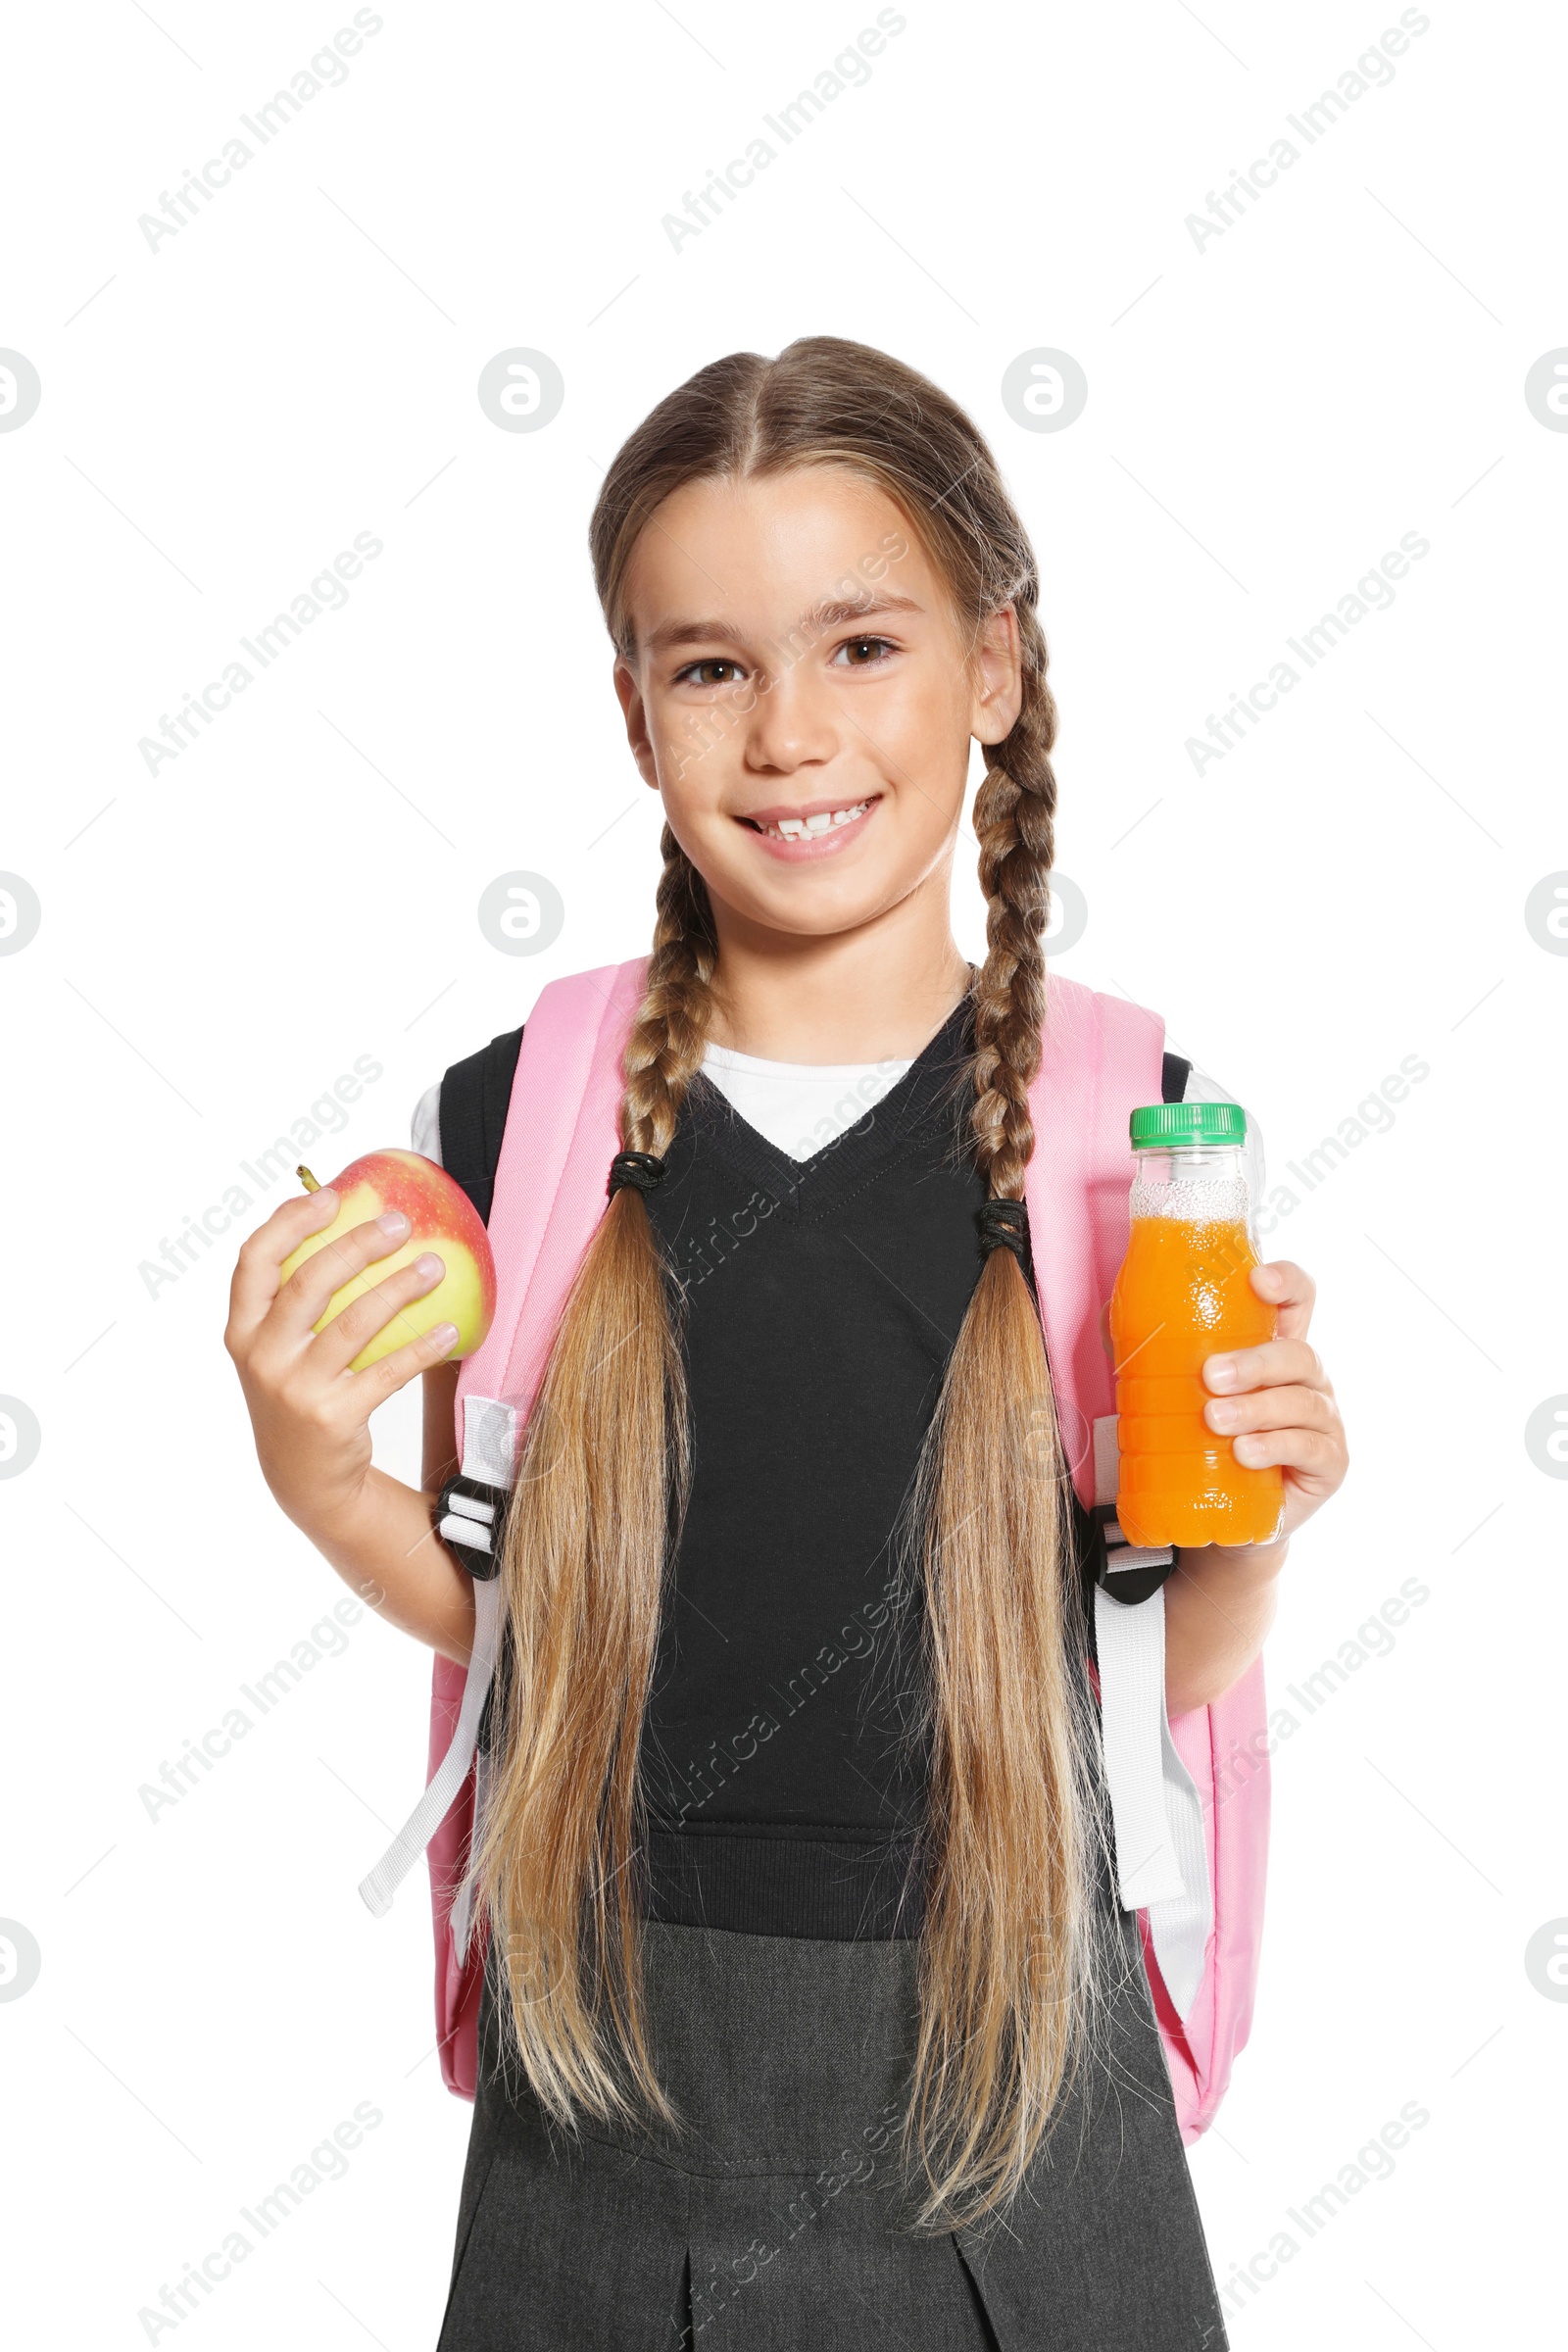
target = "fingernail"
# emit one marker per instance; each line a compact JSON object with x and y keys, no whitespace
{"x":1223,"y":1416}
{"x":1220,"y":1371}
{"x":1247,"y":1449}
{"x":394,"y":1221}
{"x":428,"y":1264}
{"x":444,"y":1334}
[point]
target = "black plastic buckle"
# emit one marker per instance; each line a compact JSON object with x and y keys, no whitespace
{"x":471,"y":1520}
{"x":1127,"y":1585}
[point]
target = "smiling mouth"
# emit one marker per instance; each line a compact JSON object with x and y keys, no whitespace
{"x":808,"y":828}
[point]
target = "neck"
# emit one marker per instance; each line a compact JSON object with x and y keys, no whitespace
{"x":878,"y":993}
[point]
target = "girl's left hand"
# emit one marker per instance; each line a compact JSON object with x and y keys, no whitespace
{"x":1277,"y":1401}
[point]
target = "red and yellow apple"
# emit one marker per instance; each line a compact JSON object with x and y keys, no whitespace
{"x":441,"y":1219}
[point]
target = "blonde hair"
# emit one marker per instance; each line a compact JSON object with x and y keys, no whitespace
{"x":1009,"y":1946}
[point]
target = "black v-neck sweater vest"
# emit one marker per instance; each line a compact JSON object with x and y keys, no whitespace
{"x":784,"y":1762}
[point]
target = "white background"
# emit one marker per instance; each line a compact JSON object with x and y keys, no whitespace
{"x":1266,"y":416}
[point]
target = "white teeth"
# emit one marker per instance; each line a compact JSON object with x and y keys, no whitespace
{"x":808,"y":828}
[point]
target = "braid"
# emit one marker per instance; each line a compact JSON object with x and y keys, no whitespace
{"x":1014,"y":817}
{"x":608,"y":1465}
{"x":664,"y":1051}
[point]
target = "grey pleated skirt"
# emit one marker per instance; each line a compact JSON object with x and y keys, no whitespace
{"x":778,"y":2220}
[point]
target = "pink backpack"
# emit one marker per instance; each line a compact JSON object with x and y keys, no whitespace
{"x":1188,"y":1799}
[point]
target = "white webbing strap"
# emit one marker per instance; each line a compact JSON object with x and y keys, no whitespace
{"x":490,"y":1437}
{"x":408,"y":1844}
{"x":462,"y":1900}
{"x":1162,"y":1855}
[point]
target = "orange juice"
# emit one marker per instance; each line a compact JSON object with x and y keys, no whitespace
{"x":1181,"y":1295}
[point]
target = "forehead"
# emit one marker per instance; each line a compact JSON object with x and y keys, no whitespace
{"x":759,"y":552}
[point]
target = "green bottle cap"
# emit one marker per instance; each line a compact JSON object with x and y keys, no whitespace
{"x":1167,"y":1126}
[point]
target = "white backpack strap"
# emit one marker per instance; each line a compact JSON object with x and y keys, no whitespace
{"x":461,"y":1921}
{"x":1161,"y":1851}
{"x":469,"y":1522}
{"x":378,"y":1889}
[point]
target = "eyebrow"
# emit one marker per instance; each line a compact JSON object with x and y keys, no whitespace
{"x":829,"y":613}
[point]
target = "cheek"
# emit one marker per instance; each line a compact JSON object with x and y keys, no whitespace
{"x":938,"y":701}
{"x":696,"y":744}
{"x":921,"y":738}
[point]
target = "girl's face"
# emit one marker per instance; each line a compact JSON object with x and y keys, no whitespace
{"x":803,"y":696}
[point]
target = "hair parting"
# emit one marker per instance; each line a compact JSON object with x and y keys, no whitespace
{"x":1010,"y":1958}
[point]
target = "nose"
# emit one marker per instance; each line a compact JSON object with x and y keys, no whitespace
{"x":793,"y":724}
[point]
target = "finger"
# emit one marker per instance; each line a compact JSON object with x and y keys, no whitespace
{"x":382,"y":1380}
{"x":310,"y":1290}
{"x":1315,"y":1455}
{"x":1291,"y":1290}
{"x":1273,"y":1408}
{"x":339,"y":1342}
{"x":1276,"y":1363}
{"x":258,"y":1270}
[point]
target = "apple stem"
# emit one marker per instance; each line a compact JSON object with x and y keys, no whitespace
{"x":306,"y":1179}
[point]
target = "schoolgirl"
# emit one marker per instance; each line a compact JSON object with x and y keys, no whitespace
{"x":811,"y":2008}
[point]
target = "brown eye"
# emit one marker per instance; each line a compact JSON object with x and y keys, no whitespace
{"x":862,"y":650}
{"x":703,"y":673}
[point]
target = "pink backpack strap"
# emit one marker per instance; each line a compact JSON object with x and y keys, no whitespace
{"x":1188,"y":1799}
{"x":1225,"y":1748}
{"x":550,"y":1193}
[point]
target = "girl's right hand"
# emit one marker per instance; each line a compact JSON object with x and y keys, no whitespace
{"x":309,"y":1410}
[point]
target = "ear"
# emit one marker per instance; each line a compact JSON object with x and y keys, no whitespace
{"x":998,"y":678}
{"x":629,"y":695}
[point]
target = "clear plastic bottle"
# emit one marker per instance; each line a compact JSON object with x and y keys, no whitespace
{"x":1183,"y":1295}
